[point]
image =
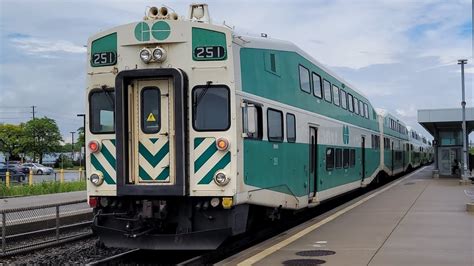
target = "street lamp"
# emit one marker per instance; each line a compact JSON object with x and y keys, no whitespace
{"x":464,"y":176}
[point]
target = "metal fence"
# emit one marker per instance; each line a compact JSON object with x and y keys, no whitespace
{"x":30,"y":228}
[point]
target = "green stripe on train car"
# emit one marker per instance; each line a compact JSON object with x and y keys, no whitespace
{"x":154,"y":160}
{"x":205,"y":156}
{"x":223,"y":162}
{"x":143,"y":174}
{"x":107,"y":178}
{"x":108,"y":156}
{"x":164,"y":174}
{"x":285,"y":168}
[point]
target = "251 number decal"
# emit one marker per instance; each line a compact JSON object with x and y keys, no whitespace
{"x":209,"y":53}
{"x":104,"y":59}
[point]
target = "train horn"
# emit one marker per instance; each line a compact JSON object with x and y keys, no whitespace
{"x":163,"y":11}
{"x":173,"y":16}
{"x":153,"y":12}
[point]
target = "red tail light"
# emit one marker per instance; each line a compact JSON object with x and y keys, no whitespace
{"x":94,"y":146}
{"x":93,"y":202}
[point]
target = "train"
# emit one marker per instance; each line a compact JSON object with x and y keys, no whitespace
{"x":195,"y":132}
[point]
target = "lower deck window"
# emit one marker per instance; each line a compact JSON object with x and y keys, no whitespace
{"x":211,"y":108}
{"x":101,"y":112}
{"x":275,"y":125}
{"x":345,"y":158}
{"x":329,"y":159}
{"x":338,"y":158}
{"x":352,"y":158}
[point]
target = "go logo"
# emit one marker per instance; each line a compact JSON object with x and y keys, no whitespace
{"x":160,"y":31}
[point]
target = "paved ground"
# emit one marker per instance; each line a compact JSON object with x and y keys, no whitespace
{"x":19,"y":202}
{"x":419,"y":221}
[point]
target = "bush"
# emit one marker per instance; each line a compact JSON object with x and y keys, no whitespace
{"x":42,"y":188}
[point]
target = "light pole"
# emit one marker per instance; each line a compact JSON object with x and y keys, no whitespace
{"x":464,"y":176}
{"x":72,"y":146}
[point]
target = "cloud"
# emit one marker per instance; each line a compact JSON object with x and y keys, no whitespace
{"x":33,"y":45}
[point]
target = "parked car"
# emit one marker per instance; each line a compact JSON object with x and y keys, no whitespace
{"x":38,"y":169}
{"x":18,"y":167}
{"x":14,"y":174}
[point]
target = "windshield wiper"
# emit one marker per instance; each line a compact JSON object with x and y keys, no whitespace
{"x":199,"y":98}
{"x":109,"y":96}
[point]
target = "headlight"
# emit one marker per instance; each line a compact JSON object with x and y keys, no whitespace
{"x":145,"y":55}
{"x":159,"y":54}
{"x":221,"y":179}
{"x":96,"y":179}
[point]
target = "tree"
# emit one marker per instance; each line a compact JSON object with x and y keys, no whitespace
{"x":42,"y":136}
{"x":10,"y":140}
{"x":80,"y":139}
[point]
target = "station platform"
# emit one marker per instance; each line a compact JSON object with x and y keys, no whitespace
{"x":415,"y":220}
{"x":32,"y":201}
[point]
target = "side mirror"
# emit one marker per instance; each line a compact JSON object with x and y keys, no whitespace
{"x":251,"y":119}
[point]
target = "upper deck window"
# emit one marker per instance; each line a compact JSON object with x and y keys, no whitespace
{"x":304,"y":79}
{"x":350,"y":102}
{"x":101,"y":112}
{"x":343,"y":99}
{"x":335,"y":93}
{"x":317,"y":89}
{"x":327,"y":91}
{"x":211,"y":108}
{"x":356,"y":105}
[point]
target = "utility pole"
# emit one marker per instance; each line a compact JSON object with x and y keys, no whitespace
{"x":464,"y":176}
{"x":84,"y":130}
{"x":33,"y":107}
{"x":72,"y":148}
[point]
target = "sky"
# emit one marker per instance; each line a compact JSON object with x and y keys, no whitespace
{"x":401,"y":53}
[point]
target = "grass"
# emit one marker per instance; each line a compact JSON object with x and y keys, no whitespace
{"x":41,"y":188}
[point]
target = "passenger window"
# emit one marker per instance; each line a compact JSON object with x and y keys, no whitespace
{"x":275,"y":125}
{"x":317,"y":90}
{"x":329,"y":159}
{"x":327,"y":91}
{"x":304,"y":79}
{"x":356,"y":106}
{"x":345,"y":158}
{"x":150,"y":110}
{"x":290,"y":127}
{"x":343,"y":99}
{"x":101,"y":112}
{"x":366,"y":108}
{"x":352,"y":158}
{"x":338,"y":158}
{"x":350,"y":102}
{"x":335,"y":93}
{"x":361,"y":108}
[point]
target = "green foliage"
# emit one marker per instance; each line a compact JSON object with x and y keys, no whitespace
{"x":42,"y":136}
{"x":80,"y":139}
{"x":42,"y":188}
{"x":11,"y":140}
{"x":64,"y":162}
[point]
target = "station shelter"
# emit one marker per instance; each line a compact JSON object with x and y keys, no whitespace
{"x":445,"y":125}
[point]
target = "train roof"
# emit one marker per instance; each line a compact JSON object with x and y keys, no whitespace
{"x":282,"y":45}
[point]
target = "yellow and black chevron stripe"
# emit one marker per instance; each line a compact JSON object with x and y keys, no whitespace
{"x":104,"y":161}
{"x":154,"y":160}
{"x":208,"y":159}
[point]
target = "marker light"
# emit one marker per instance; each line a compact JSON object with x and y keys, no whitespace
{"x":215,"y":202}
{"x":93,"y":202}
{"x":222,"y":144}
{"x":221,"y":179}
{"x":159,"y":54}
{"x":96,"y":179}
{"x":94,"y":146}
{"x":145,"y":55}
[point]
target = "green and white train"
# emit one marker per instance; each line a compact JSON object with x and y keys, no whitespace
{"x":193,"y":131}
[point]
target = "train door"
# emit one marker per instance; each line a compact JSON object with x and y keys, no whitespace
{"x":363,"y":157}
{"x":149,"y":103}
{"x":393,"y":155}
{"x":313,"y":162}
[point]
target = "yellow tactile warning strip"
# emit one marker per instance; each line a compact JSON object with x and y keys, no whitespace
{"x":261,"y":255}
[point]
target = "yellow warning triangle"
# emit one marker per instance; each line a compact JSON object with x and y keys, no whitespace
{"x":151,"y":118}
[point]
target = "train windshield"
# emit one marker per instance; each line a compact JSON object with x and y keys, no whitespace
{"x":101,"y":113}
{"x":211,"y":108}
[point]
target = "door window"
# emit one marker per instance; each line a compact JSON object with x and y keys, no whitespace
{"x":150,"y":110}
